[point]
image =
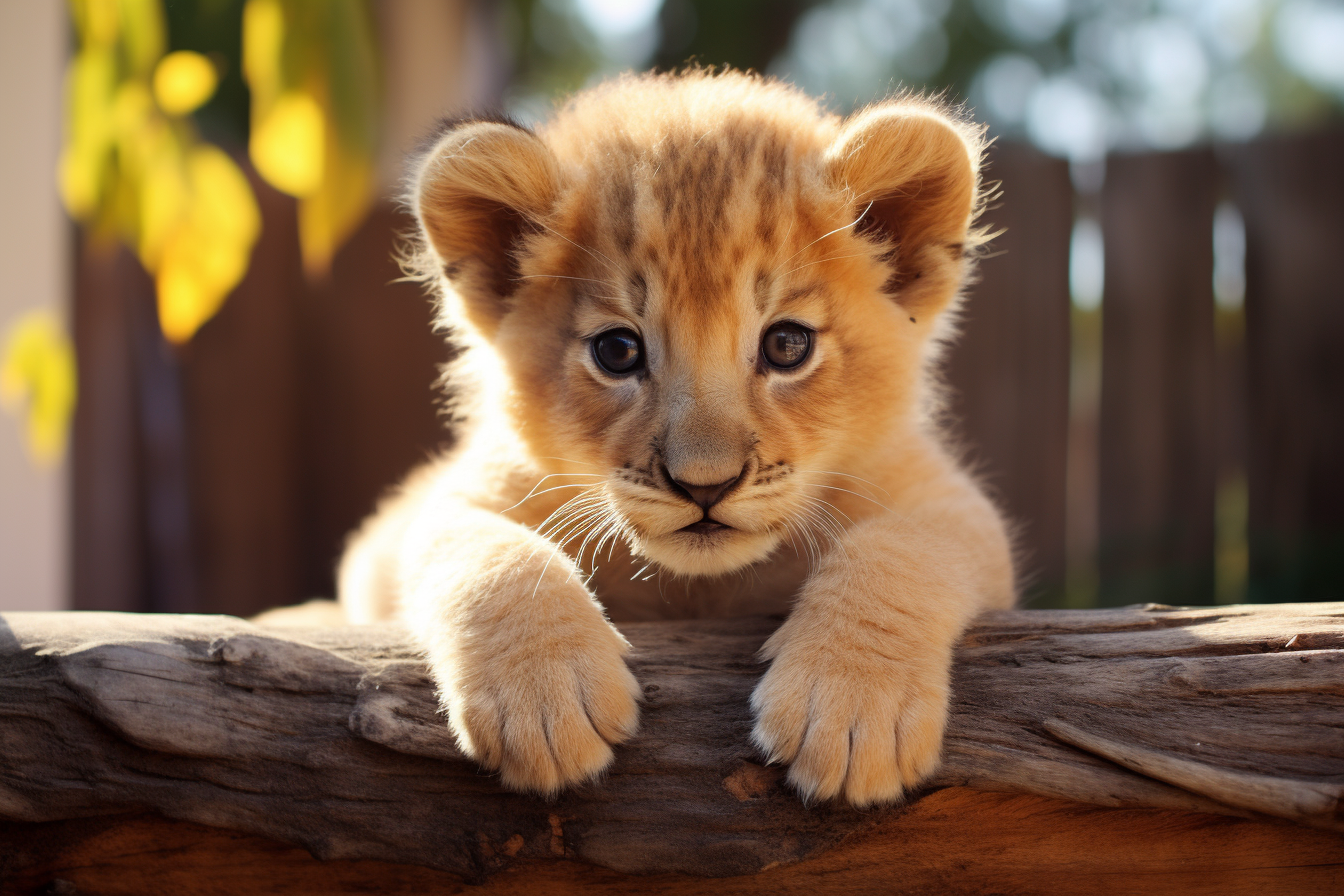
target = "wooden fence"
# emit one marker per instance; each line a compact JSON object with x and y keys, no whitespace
{"x":1189,"y":405}
{"x":222,"y":477}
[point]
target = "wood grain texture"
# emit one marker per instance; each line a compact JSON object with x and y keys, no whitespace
{"x":222,"y":476}
{"x":242,"y":406}
{"x":108,"y":565}
{"x":306,"y":399}
{"x":1158,"y":463}
{"x":329,"y":739}
{"x":1291,"y":193}
{"x":955,"y":841}
{"x":370,"y":409}
{"x":1009,"y":369}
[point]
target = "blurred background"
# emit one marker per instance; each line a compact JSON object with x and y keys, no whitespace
{"x":211,"y":370}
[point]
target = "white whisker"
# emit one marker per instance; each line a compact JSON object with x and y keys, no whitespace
{"x":855,"y":494}
{"x":831,"y":510}
{"x":560,"y":549}
{"x":834,"y":530}
{"x":610,"y":535}
{"x":599,"y":525}
{"x":569,"y":460}
{"x":536,"y":494}
{"x":576,"y":511}
{"x":611,"y":265}
{"x":824,"y":260}
{"x":868,"y":482}
{"x":577,"y":517}
{"x":802,"y":542}
{"x":813,"y":523}
{"x":564,"y":508}
{"x":562,"y":277}
{"x":824,"y":235}
{"x":579,"y":525}
{"x":616,"y":531}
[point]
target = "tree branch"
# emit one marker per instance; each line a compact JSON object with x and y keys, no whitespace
{"x":330,"y":738}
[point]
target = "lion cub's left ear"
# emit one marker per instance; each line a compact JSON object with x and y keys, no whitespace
{"x":917,"y":172}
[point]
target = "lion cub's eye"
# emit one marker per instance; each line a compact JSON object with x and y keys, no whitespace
{"x":786,"y":344}
{"x":618,"y":351}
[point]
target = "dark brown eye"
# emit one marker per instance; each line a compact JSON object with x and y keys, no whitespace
{"x":618,"y":352}
{"x":786,"y":345}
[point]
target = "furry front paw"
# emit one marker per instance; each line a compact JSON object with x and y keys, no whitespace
{"x":544,"y":702}
{"x":849,"y":720}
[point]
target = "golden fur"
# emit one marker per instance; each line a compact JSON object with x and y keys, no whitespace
{"x":695,"y":210}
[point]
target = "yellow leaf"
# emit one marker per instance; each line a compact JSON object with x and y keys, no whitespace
{"x":263,"y":45}
{"x":38,"y":369}
{"x":183,"y":81}
{"x":208,"y":253}
{"x":288,"y":144}
{"x":131,"y":168}
{"x":96,"y":21}
{"x":186,"y":300}
{"x":313,"y":71}
{"x":329,"y":216}
{"x":164,"y":197}
{"x":132,"y":112}
{"x":221,"y":194}
{"x":90,"y":86}
{"x":143,"y":33}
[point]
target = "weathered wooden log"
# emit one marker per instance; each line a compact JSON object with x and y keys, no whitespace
{"x":331,"y":739}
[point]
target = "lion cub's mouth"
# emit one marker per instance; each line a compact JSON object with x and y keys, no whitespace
{"x":705,"y":526}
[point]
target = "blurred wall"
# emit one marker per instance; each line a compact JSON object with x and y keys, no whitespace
{"x":439,"y":59}
{"x":33,"y":272}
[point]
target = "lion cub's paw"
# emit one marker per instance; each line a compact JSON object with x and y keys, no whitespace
{"x":544,"y":710}
{"x":854,"y":722}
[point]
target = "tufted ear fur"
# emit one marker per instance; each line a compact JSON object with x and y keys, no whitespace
{"x":917,"y":172}
{"x":480,"y":190}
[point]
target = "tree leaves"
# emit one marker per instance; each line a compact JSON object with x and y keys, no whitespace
{"x":312,"y":68}
{"x":206,"y":252}
{"x":134,"y":168}
{"x":183,"y":81}
{"x":37,"y":380}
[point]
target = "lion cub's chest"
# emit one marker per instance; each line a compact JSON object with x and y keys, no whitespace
{"x":634,"y":592}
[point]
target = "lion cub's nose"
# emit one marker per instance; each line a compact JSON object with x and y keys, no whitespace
{"x":706,"y":496}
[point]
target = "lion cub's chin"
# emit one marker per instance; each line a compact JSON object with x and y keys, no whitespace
{"x":706,"y":554}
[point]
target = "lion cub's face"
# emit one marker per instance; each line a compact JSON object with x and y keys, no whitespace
{"x":709,"y":311}
{"x":713,"y":366}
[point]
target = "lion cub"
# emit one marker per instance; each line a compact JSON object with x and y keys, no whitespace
{"x":698,"y":316}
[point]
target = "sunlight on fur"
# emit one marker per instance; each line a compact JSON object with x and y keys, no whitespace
{"x":700,"y":319}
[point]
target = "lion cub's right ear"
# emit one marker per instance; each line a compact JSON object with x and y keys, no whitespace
{"x":479,"y":192}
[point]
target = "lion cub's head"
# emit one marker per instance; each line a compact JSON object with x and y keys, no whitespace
{"x":705,"y":290}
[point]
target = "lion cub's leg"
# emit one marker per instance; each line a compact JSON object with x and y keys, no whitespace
{"x":527,"y":665}
{"x":856,"y":697}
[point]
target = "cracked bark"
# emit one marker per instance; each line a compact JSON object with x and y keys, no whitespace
{"x":330,"y":738}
